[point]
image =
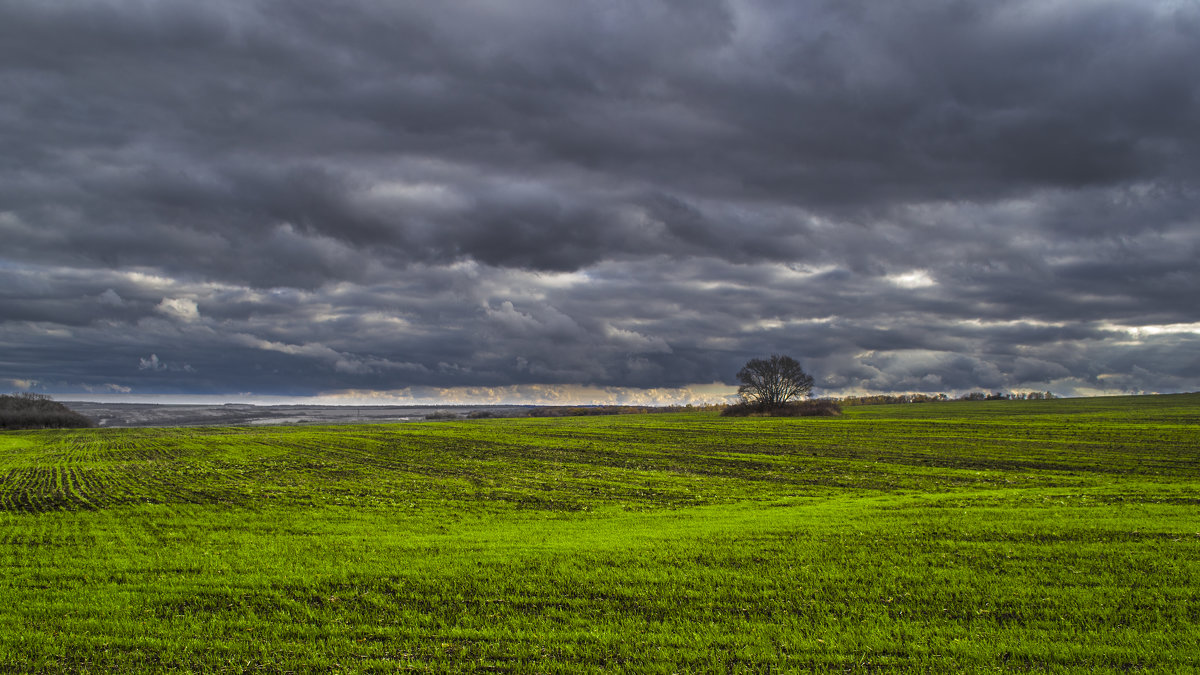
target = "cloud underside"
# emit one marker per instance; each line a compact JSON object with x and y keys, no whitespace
{"x":485,"y":199}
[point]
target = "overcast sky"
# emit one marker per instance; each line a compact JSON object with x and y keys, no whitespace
{"x":609,"y":200}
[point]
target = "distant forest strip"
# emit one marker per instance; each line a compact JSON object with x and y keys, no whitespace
{"x":28,"y":410}
{"x":875,"y":399}
{"x":819,"y":406}
{"x":37,"y":411}
{"x":887,"y":399}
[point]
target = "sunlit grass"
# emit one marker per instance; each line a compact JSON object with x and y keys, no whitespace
{"x":1040,"y":535}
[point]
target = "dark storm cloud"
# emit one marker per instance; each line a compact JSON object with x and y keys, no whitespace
{"x":299,"y":197}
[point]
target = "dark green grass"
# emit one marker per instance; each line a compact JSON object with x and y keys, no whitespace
{"x":1036,"y":535}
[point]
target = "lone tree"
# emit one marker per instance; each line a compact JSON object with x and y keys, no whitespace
{"x":770,"y":383}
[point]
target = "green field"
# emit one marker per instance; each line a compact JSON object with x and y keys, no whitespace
{"x":1013,"y":535}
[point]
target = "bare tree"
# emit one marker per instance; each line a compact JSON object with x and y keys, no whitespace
{"x":773,"y":382}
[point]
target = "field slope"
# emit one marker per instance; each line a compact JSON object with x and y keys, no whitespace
{"x":1003,"y":536}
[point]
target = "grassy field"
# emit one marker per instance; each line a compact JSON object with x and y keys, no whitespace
{"x":1003,"y":536}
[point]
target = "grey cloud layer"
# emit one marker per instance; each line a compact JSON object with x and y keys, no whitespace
{"x":302,"y":197}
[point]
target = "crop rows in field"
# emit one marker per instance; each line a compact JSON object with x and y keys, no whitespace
{"x":638,"y":461}
{"x":1040,"y":535}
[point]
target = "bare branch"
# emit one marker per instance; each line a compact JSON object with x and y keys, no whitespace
{"x":773,"y":381}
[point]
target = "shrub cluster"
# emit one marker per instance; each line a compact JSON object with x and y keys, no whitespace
{"x":815,"y":408}
{"x":37,"y":411}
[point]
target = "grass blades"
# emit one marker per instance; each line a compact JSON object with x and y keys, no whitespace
{"x":1035,"y":535}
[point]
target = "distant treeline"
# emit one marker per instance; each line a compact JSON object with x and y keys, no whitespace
{"x":821,"y":406}
{"x":882,"y":399}
{"x":37,"y":411}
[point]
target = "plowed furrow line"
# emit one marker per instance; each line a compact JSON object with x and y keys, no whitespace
{"x":73,"y":481}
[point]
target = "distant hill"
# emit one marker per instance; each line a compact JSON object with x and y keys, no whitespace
{"x":37,"y":411}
